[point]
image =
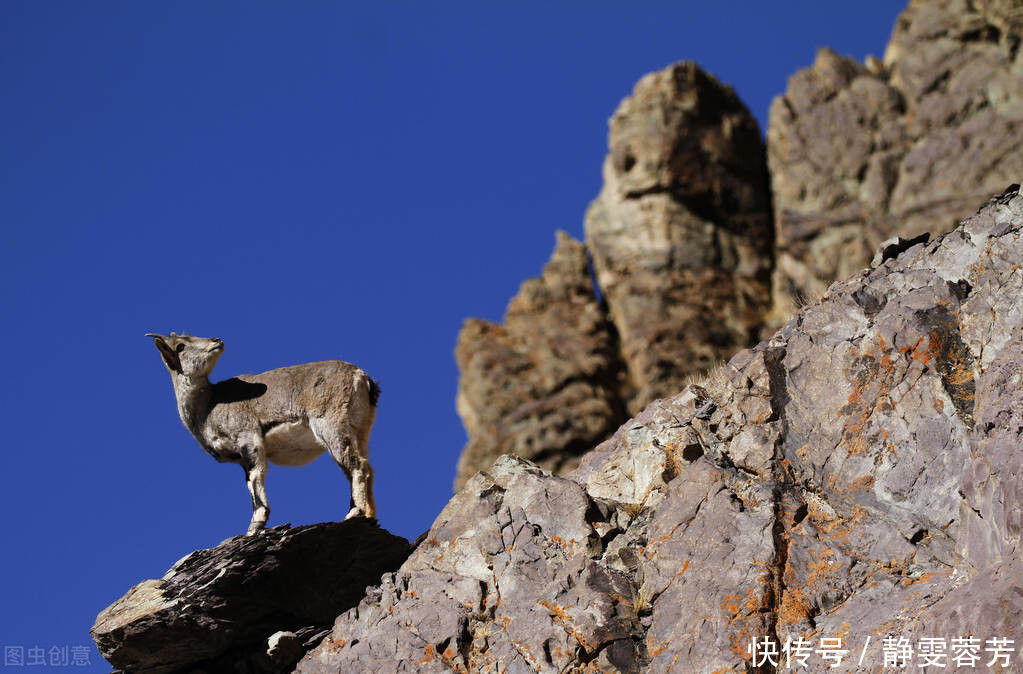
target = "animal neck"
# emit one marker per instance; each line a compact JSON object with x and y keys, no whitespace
{"x":195,"y":398}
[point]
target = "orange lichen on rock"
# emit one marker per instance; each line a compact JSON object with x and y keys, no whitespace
{"x":915,"y":353}
{"x":913,"y":580}
{"x":561,"y":616}
{"x":862,"y":482}
{"x":794,"y":607}
{"x":654,"y":651}
{"x":431,"y":655}
{"x":744,"y":620}
{"x":873,"y":374}
{"x":730,"y":605}
{"x":820,"y":566}
{"x":834,"y":527}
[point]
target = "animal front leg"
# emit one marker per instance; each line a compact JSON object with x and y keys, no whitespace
{"x":255,"y":479}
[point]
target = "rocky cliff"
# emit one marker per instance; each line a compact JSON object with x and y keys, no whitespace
{"x":546,"y":384}
{"x":680,"y":231}
{"x":685,"y":226}
{"x":859,"y":153}
{"x":252,"y":604}
{"x":854,"y":477}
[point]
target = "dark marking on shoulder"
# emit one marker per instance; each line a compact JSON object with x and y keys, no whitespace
{"x":235,"y":390}
{"x":374,"y":392}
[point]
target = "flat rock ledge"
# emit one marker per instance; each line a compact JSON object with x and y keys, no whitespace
{"x":251,"y":604}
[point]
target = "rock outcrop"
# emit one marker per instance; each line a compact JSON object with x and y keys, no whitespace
{"x":252,"y":604}
{"x":855,"y":476}
{"x":681,"y":230}
{"x":859,"y":153}
{"x":545,"y":385}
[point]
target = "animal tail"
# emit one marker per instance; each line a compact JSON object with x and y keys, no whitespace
{"x":374,"y":391}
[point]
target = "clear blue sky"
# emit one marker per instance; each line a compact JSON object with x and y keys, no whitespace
{"x":307,"y":181}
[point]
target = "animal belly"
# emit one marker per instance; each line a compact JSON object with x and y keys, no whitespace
{"x":291,"y":444}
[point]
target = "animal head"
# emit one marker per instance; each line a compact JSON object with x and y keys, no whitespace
{"x":188,"y":355}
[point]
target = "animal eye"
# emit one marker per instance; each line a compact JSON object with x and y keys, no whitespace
{"x":181,"y":347}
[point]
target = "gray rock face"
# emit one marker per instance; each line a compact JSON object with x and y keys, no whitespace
{"x":681,"y":229}
{"x":856,"y":475}
{"x":859,"y":153}
{"x":251,"y":604}
{"x":545,"y":384}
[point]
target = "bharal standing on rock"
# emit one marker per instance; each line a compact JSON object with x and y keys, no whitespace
{"x":288,"y":416}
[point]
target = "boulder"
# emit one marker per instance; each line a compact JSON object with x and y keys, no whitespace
{"x":251,"y":604}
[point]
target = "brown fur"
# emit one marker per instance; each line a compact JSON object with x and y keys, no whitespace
{"x":288,"y":416}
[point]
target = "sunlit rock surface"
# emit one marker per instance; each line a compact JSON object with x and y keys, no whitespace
{"x":856,"y":475}
{"x":697,"y":258}
{"x":859,"y":153}
{"x":680,"y":231}
{"x":545,"y":384}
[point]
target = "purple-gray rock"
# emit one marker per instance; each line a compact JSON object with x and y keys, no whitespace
{"x":684,"y":249}
{"x":855,"y":476}
{"x":251,"y":604}
{"x":859,"y":153}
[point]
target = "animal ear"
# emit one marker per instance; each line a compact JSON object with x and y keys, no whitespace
{"x":169,"y":357}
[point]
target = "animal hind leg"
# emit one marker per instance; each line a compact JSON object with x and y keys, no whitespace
{"x":362,"y":477}
{"x":344,"y":447}
{"x":363,"y":502}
